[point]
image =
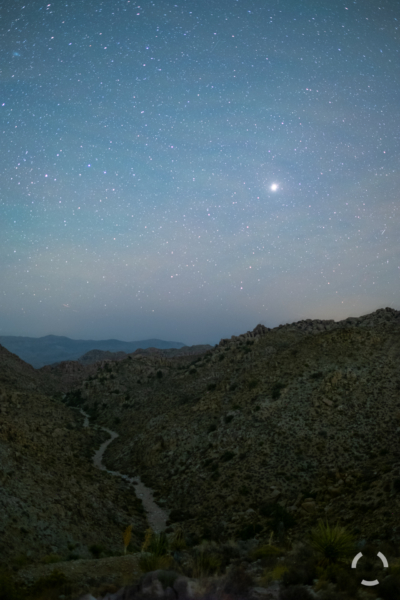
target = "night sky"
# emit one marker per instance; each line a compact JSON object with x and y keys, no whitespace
{"x":186,"y":171}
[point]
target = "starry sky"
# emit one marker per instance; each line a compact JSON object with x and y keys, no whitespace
{"x":186,"y":171}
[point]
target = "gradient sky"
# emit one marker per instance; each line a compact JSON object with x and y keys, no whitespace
{"x":186,"y":171}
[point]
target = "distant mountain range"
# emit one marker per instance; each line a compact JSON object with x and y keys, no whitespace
{"x":51,"y":349}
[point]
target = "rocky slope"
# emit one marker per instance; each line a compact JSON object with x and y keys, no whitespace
{"x":52,"y":500}
{"x":305,"y":416}
{"x":297,"y":422}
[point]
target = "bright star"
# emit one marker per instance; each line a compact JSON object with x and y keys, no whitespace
{"x":274,"y":187}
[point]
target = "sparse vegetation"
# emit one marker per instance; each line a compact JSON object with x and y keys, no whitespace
{"x":333,"y":544}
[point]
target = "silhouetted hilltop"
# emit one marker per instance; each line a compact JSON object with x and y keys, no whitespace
{"x":52,"y":349}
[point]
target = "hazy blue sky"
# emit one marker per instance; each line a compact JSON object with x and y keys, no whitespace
{"x":186,"y":171}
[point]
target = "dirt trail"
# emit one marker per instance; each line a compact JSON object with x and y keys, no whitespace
{"x":156,"y":516}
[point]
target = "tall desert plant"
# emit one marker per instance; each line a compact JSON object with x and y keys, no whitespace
{"x":127,"y":537}
{"x":333,"y":544}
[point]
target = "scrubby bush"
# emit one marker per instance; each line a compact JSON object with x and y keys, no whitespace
{"x":275,"y":575}
{"x":333,"y":544}
{"x":228,"y":418}
{"x":212,"y":428}
{"x":211,"y":386}
{"x":276,"y":390}
{"x":249,"y":531}
{"x":278,"y":514}
{"x":227,"y":456}
{"x":316,"y":375}
{"x":253,"y":384}
{"x":266,"y":552}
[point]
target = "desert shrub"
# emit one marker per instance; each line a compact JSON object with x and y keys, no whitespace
{"x":227,"y":456}
{"x":278,"y":514}
{"x":215,"y":475}
{"x":389,"y":588}
{"x":211,"y":386}
{"x":212,"y":428}
{"x":177,"y":515}
{"x":266,"y":552}
{"x":332,"y":543}
{"x":317,"y":375}
{"x":253,"y":384}
{"x":73,"y":556}
{"x":249,"y":531}
{"x":276,"y":390}
{"x":296,"y":592}
{"x":275,"y":575}
{"x":74,"y":398}
{"x":244,"y":490}
{"x":96,"y":550}
{"x":228,"y":418}
{"x":51,"y":558}
{"x":221,"y":357}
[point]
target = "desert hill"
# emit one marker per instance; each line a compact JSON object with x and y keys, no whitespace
{"x":52,"y":349}
{"x":52,"y":499}
{"x":301,"y":420}
{"x":267,"y":431}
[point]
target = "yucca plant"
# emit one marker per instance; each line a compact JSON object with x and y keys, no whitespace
{"x":154,"y":552}
{"x":333,"y":544}
{"x":178,"y":540}
{"x":159,"y":544}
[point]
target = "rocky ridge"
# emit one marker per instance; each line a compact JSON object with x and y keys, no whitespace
{"x":309,"y":411}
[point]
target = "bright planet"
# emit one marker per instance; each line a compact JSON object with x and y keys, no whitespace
{"x":274,"y":187}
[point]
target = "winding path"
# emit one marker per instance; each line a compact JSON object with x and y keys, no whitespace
{"x":156,"y":516}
